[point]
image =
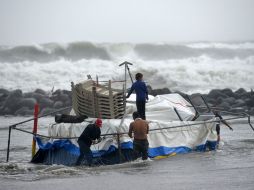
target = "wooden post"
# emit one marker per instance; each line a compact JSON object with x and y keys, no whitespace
{"x":250,"y":123}
{"x":9,"y":140}
{"x":94,"y":102}
{"x":111,"y":101}
{"x":36,"y":111}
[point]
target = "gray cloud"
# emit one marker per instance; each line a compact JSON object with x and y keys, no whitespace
{"x":41,"y":21}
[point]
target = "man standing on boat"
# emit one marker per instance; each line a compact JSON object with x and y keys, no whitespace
{"x":141,"y":94}
{"x":140,"y":129}
{"x":91,"y":133}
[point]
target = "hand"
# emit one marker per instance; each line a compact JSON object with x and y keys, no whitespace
{"x":99,"y":140}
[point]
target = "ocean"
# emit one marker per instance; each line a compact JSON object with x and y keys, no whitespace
{"x":187,"y":67}
{"x":229,"y":167}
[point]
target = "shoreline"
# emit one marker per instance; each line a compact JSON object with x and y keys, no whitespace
{"x":18,"y":103}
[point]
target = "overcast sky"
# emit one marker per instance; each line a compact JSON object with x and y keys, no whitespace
{"x":41,"y":21}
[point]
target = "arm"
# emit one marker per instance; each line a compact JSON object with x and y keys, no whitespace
{"x":223,"y":121}
{"x":130,"y":130}
{"x":131,"y":90}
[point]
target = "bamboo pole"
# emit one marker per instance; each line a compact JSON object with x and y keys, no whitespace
{"x":36,"y":112}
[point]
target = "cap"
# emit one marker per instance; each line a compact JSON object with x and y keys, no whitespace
{"x":98,"y":122}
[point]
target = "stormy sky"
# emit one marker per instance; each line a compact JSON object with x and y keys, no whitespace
{"x":135,"y":21}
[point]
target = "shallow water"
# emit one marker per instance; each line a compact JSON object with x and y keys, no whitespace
{"x":230,"y":167}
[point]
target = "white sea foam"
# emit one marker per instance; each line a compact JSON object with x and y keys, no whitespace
{"x":186,"y":69}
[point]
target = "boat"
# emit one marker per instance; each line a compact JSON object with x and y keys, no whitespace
{"x":175,"y":127}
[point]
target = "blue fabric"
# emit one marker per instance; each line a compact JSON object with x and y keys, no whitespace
{"x":70,"y":147}
{"x":152,"y":152}
{"x":127,"y":145}
{"x":140,"y":89}
{"x":58,"y":144}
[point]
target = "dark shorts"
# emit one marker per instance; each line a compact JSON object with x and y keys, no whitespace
{"x":141,"y":146}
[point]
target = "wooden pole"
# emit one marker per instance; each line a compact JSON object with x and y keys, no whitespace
{"x":36,"y":112}
{"x":9,"y":140}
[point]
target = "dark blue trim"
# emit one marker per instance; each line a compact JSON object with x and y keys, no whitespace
{"x":153,"y":152}
{"x":58,"y":144}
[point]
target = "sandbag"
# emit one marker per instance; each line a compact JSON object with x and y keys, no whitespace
{"x":64,"y":118}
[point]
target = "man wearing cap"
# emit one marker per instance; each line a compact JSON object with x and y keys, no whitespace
{"x":91,"y":133}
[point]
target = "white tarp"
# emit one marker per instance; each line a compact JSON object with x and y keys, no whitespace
{"x":160,"y":114}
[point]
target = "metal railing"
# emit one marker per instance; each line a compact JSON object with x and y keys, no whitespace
{"x":118,"y":134}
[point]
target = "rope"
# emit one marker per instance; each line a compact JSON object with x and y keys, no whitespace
{"x":106,"y":81}
{"x":126,"y":133}
{"x":44,"y":115}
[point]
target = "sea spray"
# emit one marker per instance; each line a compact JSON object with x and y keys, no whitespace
{"x":188,"y":67}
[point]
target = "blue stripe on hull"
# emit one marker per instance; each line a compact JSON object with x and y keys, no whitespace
{"x":66,"y":153}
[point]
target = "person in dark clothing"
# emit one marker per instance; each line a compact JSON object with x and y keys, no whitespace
{"x":91,"y":133}
{"x":140,"y":129}
{"x":141,"y":94}
{"x":220,"y":120}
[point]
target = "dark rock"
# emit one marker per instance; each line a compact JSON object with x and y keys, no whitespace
{"x":3,"y":95}
{"x":13,"y":100}
{"x":27,"y":102}
{"x":46,"y":102}
{"x":38,"y":96}
{"x":58,"y":104}
{"x":68,"y":103}
{"x":40,"y":91}
{"x":250,"y":102}
{"x":239,"y":103}
{"x":211,"y":101}
{"x":6,"y":111}
{"x":215,"y":94}
{"x":228,"y":92}
{"x":160,"y":91}
{"x":24,"y":111}
{"x":4,"y":91}
{"x":219,"y":100}
{"x":196,"y":99}
{"x":64,"y":97}
{"x":149,"y":89}
{"x":224,"y":105}
{"x":229,"y":100}
{"x":57,"y":92}
{"x":60,"y":95}
{"x":251,"y":112}
{"x":240,"y":91}
{"x":28,"y":95}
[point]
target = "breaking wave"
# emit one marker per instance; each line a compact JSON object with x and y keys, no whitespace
{"x":188,"y":67}
{"x":52,"y":52}
{"x":107,"y":51}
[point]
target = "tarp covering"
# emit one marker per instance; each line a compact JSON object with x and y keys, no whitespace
{"x":164,"y":137}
